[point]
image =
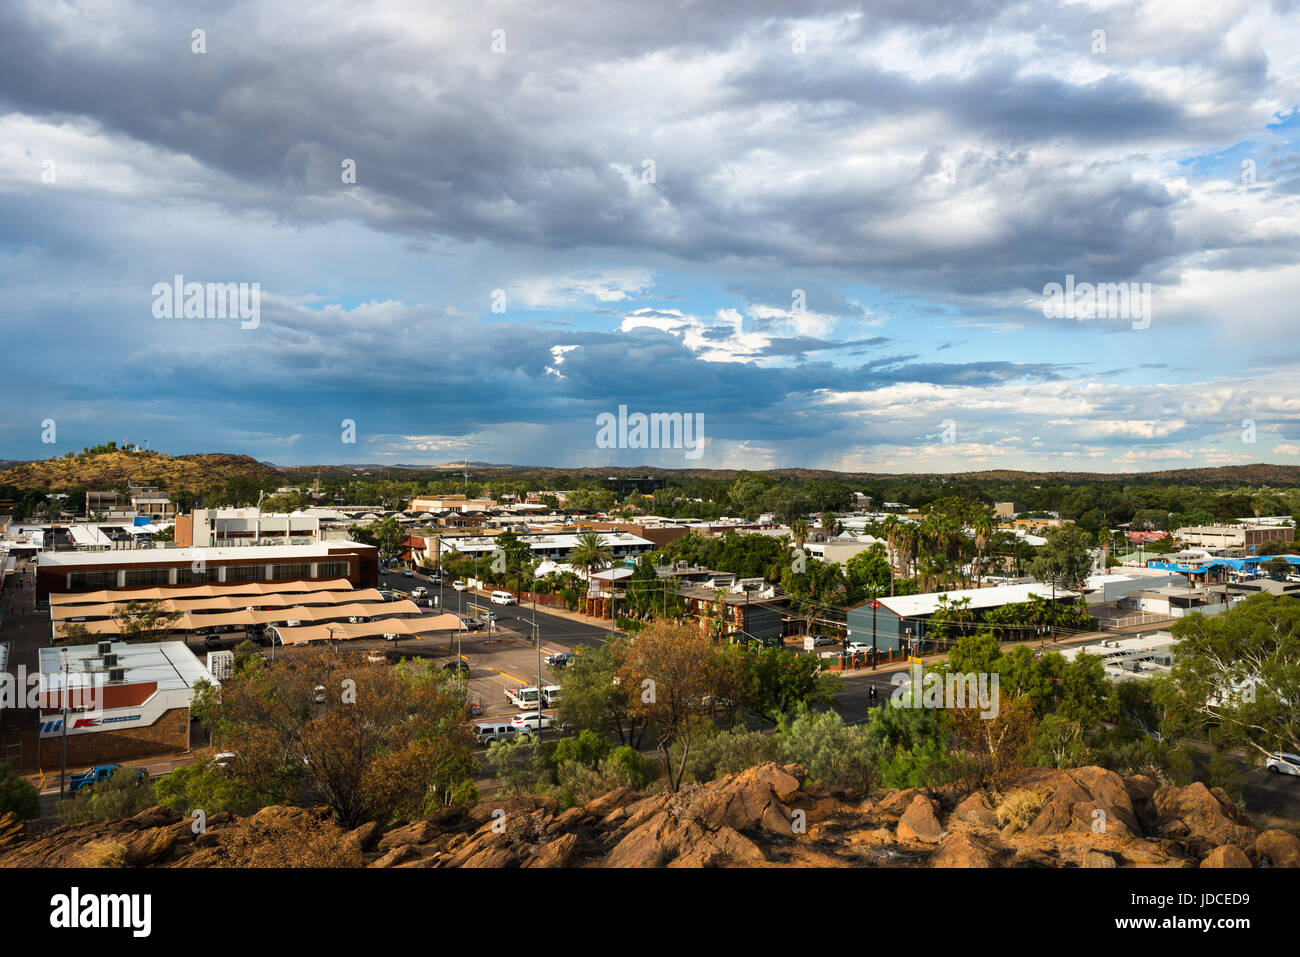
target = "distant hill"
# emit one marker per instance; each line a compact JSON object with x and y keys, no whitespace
{"x":212,"y":470}
{"x":199,"y":473}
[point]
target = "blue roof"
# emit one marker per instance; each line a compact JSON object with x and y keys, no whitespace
{"x":1236,"y":564}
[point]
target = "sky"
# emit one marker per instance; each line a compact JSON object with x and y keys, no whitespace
{"x":828,"y":233}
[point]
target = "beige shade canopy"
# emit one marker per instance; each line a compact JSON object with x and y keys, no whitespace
{"x":410,"y":627}
{"x":213,"y":590}
{"x":189,"y":622}
{"x":225,"y":603}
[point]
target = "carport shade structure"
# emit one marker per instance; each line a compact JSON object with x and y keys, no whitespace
{"x":411,"y":627}
{"x":192,"y":622}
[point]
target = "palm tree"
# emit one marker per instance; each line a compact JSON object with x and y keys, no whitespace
{"x":983,"y":528}
{"x":591,"y":553}
{"x":799,"y":531}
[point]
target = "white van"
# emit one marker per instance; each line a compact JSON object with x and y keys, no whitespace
{"x":502,"y":598}
{"x":488,"y":731}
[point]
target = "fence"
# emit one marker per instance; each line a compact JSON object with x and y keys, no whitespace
{"x":1141,"y":618}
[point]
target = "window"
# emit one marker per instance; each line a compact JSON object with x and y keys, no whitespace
{"x":147,"y":576}
{"x":245,"y":573}
{"x":93,"y":580}
{"x":295,"y":570}
{"x":188,"y":576}
{"x":333,"y":570}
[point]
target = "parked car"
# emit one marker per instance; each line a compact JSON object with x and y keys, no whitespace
{"x":457,"y":665}
{"x":530,"y":721}
{"x":858,"y":647}
{"x":407,"y":573}
{"x":224,"y":759}
{"x":488,"y":731}
{"x":319,"y":694}
{"x":471,"y":624}
{"x":212,"y":641}
{"x":820,"y":640}
{"x":377,"y":657}
{"x":420,"y":592}
{"x":392,"y":637}
{"x":357,"y":619}
{"x":560,"y":659}
{"x":88,"y":778}
{"x":1283,"y":762}
{"x":458,"y":585}
{"x":502,"y":598}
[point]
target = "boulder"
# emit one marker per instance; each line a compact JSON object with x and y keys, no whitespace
{"x":976,"y":811}
{"x":920,"y":822}
{"x":151,"y":846}
{"x":554,"y":854}
{"x":962,"y":850}
{"x":896,"y":802}
{"x":1278,"y":848}
{"x":742,"y":801}
{"x":395,"y":856}
{"x":418,"y":832}
{"x":1201,"y":818}
{"x":1096,"y":859}
{"x":364,"y":837}
{"x":1226,"y":855}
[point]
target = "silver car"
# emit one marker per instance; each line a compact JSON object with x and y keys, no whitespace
{"x":1283,"y":762}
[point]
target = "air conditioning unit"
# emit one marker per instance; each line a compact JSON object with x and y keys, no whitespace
{"x":105,"y":647}
{"x":110,"y":661}
{"x":116,"y":675}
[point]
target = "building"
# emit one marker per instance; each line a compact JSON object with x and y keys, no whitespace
{"x":231,"y":527}
{"x":1136,"y":656}
{"x":61,"y":572}
{"x":1007,"y":509}
{"x":901,"y":618}
{"x":623,"y":546}
{"x":1234,"y":536}
{"x":125,"y":701}
{"x":450,"y":503}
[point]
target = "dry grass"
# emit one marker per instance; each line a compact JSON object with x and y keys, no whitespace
{"x":1019,"y":807}
{"x":105,"y":853}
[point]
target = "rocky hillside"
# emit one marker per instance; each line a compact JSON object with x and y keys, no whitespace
{"x":198,"y":473}
{"x":759,"y":818}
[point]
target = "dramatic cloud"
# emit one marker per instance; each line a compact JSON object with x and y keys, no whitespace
{"x":826,"y":227}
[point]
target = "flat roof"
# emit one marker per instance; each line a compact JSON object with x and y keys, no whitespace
{"x":153,"y":556}
{"x":169,"y":663}
{"x":910,"y":606}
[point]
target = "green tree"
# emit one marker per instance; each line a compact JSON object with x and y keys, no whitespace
{"x":1238,"y":674}
{"x":1066,"y":559}
{"x":18,"y":795}
{"x":779,"y":682}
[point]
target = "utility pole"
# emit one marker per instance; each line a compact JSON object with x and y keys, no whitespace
{"x":63,"y":758}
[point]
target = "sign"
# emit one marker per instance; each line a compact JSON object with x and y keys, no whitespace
{"x":809,"y":643}
{"x":874,"y":605}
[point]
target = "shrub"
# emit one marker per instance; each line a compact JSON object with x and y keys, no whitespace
{"x":587,"y":748}
{"x":121,"y":796}
{"x":831,"y":752}
{"x":516,"y":766}
{"x":17,"y":794}
{"x":729,"y":752}
{"x":637,"y":771}
{"x":206,"y":786}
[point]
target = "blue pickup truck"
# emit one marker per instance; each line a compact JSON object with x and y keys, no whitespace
{"x":100,"y":772}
